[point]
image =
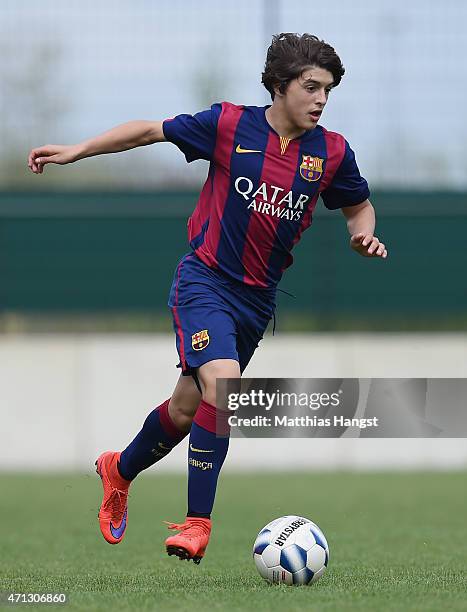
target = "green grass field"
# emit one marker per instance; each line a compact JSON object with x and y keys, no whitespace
{"x":398,"y":542}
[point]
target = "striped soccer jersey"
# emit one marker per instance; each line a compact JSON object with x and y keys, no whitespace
{"x":261,"y":189}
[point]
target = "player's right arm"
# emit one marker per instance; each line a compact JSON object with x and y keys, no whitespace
{"x":120,"y":138}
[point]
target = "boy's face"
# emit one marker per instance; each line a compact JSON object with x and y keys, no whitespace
{"x":306,"y":96}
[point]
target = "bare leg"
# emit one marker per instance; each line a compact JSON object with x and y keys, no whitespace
{"x":184,"y":403}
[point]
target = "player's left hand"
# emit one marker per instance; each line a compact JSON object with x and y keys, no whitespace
{"x":368,"y":245}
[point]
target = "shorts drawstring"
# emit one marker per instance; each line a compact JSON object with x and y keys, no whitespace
{"x":287,"y":293}
{"x":274,"y":313}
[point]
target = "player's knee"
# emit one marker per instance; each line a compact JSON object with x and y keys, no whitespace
{"x":184,"y":403}
{"x":225,"y":368}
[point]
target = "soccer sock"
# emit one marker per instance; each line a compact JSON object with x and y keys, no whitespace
{"x":156,"y":439}
{"x":206,"y":454}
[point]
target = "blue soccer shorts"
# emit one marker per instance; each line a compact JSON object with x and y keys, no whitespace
{"x":215,"y":316}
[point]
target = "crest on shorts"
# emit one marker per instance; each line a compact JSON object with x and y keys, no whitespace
{"x":311,"y":168}
{"x":200,"y":340}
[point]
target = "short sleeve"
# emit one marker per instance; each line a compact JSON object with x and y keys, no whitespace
{"x":347,"y":187}
{"x":194,"y":135}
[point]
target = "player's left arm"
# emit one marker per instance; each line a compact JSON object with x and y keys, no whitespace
{"x":361,"y":223}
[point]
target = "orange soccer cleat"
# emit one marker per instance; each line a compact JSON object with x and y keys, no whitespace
{"x":192,"y":540}
{"x":113,"y":513}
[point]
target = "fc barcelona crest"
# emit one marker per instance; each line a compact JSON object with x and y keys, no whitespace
{"x":311,"y":168}
{"x":200,"y":340}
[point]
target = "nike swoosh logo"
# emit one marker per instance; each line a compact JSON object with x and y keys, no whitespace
{"x":240,"y":150}
{"x":118,"y":532}
{"x":160,"y":445}
{"x":199,"y":450}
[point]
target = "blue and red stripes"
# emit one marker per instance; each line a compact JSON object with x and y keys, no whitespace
{"x":240,"y":225}
{"x":246,"y":171}
{"x":335,"y":149}
{"x":226,"y":128}
{"x":263,"y":228}
{"x":198,"y":221}
{"x":330,"y":147}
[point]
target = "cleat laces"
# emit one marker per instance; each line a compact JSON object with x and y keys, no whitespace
{"x":116,"y":503}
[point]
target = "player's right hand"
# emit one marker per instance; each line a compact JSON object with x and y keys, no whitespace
{"x":51,"y":154}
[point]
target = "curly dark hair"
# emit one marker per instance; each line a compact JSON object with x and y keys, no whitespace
{"x":289,"y":54}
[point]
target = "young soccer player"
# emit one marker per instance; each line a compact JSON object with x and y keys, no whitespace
{"x":268,"y":167}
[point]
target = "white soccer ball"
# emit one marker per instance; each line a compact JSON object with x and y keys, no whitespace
{"x":291,"y":550}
